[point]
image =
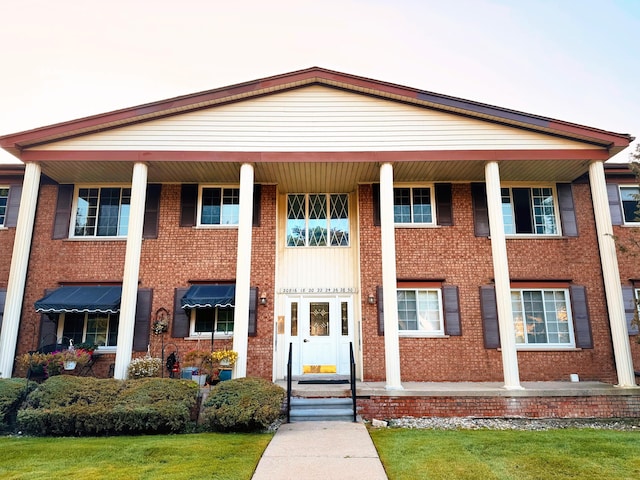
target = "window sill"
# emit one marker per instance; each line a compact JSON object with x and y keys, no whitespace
{"x":216,"y":227}
{"x":207,"y":336}
{"x":103,"y":350}
{"x":96,"y":239}
{"x":422,"y":335}
{"x":536,"y":237}
{"x":416,"y":225}
{"x":547,"y":349}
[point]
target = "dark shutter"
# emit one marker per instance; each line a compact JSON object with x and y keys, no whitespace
{"x":380,"y":306}
{"x":3,"y":298}
{"x":13,"y":205}
{"x":188,"y":204}
{"x":630,"y":308}
{"x":480,"y":209}
{"x":581,"y":324}
{"x":257,"y":200}
{"x":489,"y":309}
{"x":180,"y":316}
{"x":615,"y":207}
{"x":375,"y":197}
{"x":253,"y":311}
{"x":444,"y":208}
{"x":152,"y":211}
{"x":567,"y":211}
{"x":48,"y":328}
{"x":63,"y":212}
{"x":143,"y":319}
{"x":451,"y":310}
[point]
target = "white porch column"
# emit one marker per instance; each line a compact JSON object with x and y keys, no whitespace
{"x":129,"y":297}
{"x":243,"y":271}
{"x":502,"y":280}
{"x":389,"y":279}
{"x":611,"y":276}
{"x":18,"y":269}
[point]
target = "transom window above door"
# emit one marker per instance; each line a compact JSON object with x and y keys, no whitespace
{"x":219,"y":206}
{"x":318,"y":220}
{"x":101,"y":212}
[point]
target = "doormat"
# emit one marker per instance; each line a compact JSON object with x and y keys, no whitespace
{"x":322,"y":382}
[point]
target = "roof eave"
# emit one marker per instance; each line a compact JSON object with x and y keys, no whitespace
{"x":15,"y":143}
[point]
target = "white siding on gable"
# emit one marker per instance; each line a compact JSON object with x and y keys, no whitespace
{"x":314,"y":118}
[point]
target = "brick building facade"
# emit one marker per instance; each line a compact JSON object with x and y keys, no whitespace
{"x":446,"y":240}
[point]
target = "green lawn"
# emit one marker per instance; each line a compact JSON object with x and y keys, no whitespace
{"x":490,"y":454}
{"x":192,"y":456}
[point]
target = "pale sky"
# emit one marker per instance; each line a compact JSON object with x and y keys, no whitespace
{"x":572,"y":60}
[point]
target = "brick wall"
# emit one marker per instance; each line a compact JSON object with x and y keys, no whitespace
{"x":613,"y":406}
{"x":177,"y":256}
{"x":629,"y":265}
{"x":455,"y":254}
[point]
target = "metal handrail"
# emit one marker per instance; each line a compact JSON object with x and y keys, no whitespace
{"x":289,"y":369}
{"x":353,"y":380}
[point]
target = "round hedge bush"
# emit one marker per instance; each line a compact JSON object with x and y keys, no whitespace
{"x":242,"y":405}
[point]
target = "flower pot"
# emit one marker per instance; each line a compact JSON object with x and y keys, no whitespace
{"x":69,"y":364}
{"x":224,"y":375}
{"x":224,"y":362}
{"x":187,"y":372}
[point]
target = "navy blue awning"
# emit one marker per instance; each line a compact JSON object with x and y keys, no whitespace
{"x":209,"y":296}
{"x":80,"y":299}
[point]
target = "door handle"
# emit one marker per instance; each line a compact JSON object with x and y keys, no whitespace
{"x":305,"y":340}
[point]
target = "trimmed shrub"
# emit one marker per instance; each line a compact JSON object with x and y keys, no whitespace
{"x":242,"y":405}
{"x":12,"y":393}
{"x":77,"y":406}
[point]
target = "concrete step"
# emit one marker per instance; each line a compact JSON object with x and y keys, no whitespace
{"x":314,"y":409}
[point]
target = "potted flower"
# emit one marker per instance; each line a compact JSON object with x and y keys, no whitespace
{"x":146,"y":366}
{"x":198,"y":364}
{"x":226,"y":358}
{"x":35,"y":364}
{"x":71,"y":357}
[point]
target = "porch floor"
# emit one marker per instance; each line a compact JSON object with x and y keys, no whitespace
{"x":463,"y":389}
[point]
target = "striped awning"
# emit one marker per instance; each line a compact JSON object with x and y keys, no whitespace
{"x":209,"y":296}
{"x":81,"y":299}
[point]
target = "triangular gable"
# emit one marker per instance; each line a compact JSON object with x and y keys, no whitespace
{"x":315,"y":118}
{"x":16,"y":143}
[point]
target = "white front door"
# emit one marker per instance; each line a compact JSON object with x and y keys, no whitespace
{"x":320,"y":328}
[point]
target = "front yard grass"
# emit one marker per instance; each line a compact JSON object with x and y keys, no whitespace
{"x":189,"y":456}
{"x":490,"y":454}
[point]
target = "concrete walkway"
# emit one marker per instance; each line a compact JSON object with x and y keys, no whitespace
{"x":320,"y":450}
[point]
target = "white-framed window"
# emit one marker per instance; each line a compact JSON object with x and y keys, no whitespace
{"x":542,"y":317}
{"x":4,"y":198}
{"x":100,"y":329}
{"x":218,"y":205}
{"x":530,"y":210}
{"x":630,"y":198}
{"x":318,"y":220}
{"x":203,"y":321}
{"x":413,"y":205}
{"x":420,"y":311}
{"x":101,"y":211}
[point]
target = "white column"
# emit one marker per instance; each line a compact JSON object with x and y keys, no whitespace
{"x":18,"y":269}
{"x":389,"y":279}
{"x":243,"y":271}
{"x":611,"y":276}
{"x":129,"y":297}
{"x":502,"y":280}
